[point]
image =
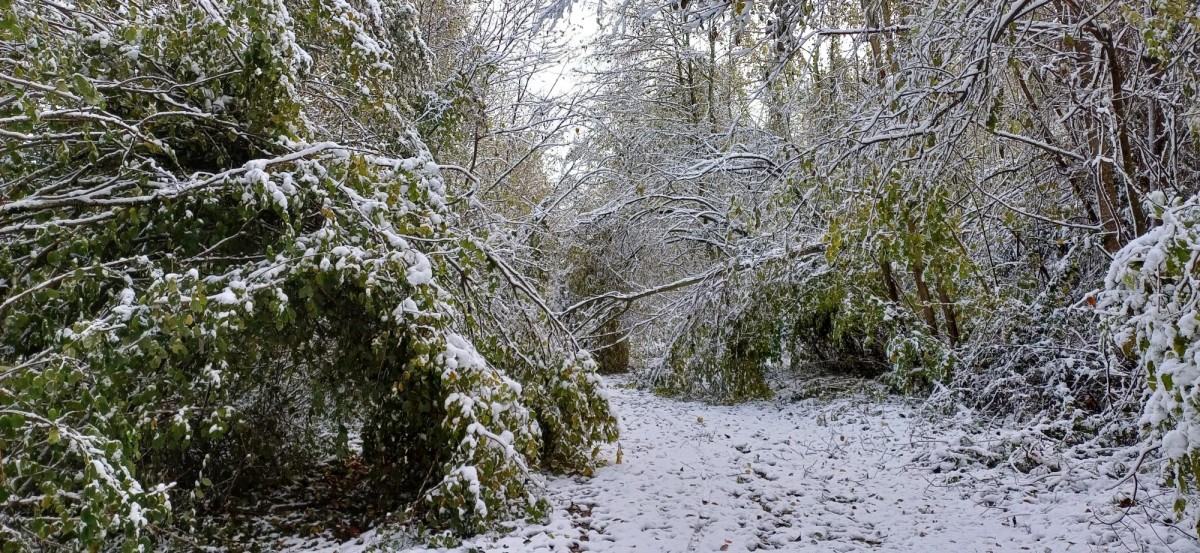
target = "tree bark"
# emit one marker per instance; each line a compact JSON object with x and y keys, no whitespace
{"x":948,"y":313}
{"x":918,"y":269}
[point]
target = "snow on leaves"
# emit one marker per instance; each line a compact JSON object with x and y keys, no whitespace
{"x":216,"y":210}
{"x":1151,"y":299}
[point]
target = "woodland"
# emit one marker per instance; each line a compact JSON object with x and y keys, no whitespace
{"x":380,"y":256}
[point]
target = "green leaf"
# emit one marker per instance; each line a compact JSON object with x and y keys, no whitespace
{"x":12,"y":421}
{"x":84,"y":89}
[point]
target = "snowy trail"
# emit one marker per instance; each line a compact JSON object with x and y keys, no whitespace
{"x":762,"y":476}
{"x":807,"y":477}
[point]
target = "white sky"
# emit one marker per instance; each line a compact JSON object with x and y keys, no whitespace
{"x":579,"y":28}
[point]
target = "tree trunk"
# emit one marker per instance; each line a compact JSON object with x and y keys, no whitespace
{"x":889,"y":280}
{"x":918,"y":263}
{"x":948,"y":313}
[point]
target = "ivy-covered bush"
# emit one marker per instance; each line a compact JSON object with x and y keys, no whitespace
{"x":1150,"y":299}
{"x":185,"y":249}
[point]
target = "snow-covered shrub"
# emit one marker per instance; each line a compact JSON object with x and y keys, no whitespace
{"x":181,"y":245}
{"x":495,"y":444}
{"x":559,"y":382}
{"x":1150,"y":299}
{"x":917,"y":360}
{"x":66,"y":476}
{"x":724,"y":349}
{"x":1044,"y":363}
{"x":573,"y":412}
{"x":840,"y":326}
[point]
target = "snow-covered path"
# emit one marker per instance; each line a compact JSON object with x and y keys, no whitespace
{"x":809,"y":477}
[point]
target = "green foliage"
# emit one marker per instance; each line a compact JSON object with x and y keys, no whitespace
{"x":198,"y":290}
{"x":896,"y":253}
{"x":1150,"y":303}
{"x":573,"y":412}
{"x":918,"y":360}
{"x":844,"y":326}
{"x":838,"y":331}
{"x":446,"y":115}
{"x":569,"y":404}
{"x":724,"y":352}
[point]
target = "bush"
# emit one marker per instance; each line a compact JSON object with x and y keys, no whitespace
{"x":1150,"y":298}
{"x":725,"y":348}
{"x":183,"y":251}
{"x":839,"y":332}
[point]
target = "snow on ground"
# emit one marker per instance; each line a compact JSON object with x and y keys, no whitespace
{"x":820,"y":477}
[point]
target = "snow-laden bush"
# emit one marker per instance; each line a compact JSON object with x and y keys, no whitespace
{"x":1150,"y":298}
{"x":1041,"y":359}
{"x":840,"y":325}
{"x":918,"y":360}
{"x":724,"y":349}
{"x":181,"y":239}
